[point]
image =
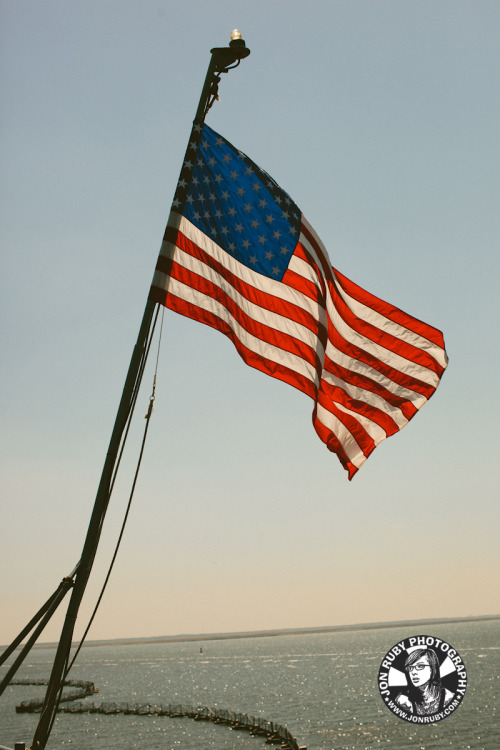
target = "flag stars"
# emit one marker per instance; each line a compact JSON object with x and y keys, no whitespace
{"x":238,"y":206}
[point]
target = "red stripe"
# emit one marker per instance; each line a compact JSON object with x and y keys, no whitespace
{"x":338,"y":395}
{"x":389,"y":342}
{"x":380,"y":337}
{"x":255,"y":328}
{"x":269,"y":367}
{"x":329,"y":396}
{"x":261,"y":299}
{"x":389,"y":311}
{"x":363,"y":381}
{"x":333,"y":444}
{"x":302,"y":285}
{"x":326,"y":268}
{"x":361,"y":436}
{"x":353,"y":351}
{"x":314,"y":290}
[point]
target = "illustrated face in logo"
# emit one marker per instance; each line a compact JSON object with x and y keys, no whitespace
{"x":420,"y":672}
{"x":422,"y":669}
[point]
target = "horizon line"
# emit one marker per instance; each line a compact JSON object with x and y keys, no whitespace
{"x":274,"y":632}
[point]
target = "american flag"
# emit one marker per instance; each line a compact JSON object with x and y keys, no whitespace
{"x":238,"y":255}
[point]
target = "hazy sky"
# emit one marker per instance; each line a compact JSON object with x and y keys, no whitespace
{"x":381,"y":119}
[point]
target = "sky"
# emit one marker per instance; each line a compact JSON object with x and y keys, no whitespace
{"x":381,"y":119}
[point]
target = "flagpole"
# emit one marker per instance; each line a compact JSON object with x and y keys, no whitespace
{"x":222,"y":60}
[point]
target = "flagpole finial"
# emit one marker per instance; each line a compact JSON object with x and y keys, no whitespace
{"x":223,"y":60}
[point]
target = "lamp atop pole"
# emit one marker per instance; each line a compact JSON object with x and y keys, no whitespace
{"x":223,"y":60}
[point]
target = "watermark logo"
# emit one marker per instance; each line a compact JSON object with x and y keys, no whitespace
{"x":422,"y":679}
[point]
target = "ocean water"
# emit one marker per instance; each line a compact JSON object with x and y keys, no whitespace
{"x":322,"y":687}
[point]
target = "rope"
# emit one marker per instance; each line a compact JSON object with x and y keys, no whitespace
{"x":139,"y":461}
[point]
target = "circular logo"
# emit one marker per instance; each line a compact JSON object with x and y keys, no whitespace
{"x":422,"y":679}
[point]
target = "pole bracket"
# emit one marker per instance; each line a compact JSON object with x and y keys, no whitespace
{"x":223,"y":60}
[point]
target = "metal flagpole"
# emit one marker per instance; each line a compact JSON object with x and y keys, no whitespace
{"x":222,"y":60}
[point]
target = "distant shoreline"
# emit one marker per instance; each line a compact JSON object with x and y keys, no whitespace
{"x":276,"y":633}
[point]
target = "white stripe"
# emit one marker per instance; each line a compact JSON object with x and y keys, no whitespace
{"x":318,"y":241}
{"x":367,"y":397}
{"x":184,"y":259}
{"x":374,"y":430}
{"x":262,"y":315}
{"x":278,"y":289}
{"x":261,"y":348}
{"x":305,"y":270}
{"x":284,"y":325}
{"x":252,"y":278}
{"x":395,"y":329}
{"x":406,"y":366}
{"x":360,"y":368}
{"x":372,"y":316}
{"x":348,"y":443}
{"x":387,"y":356}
